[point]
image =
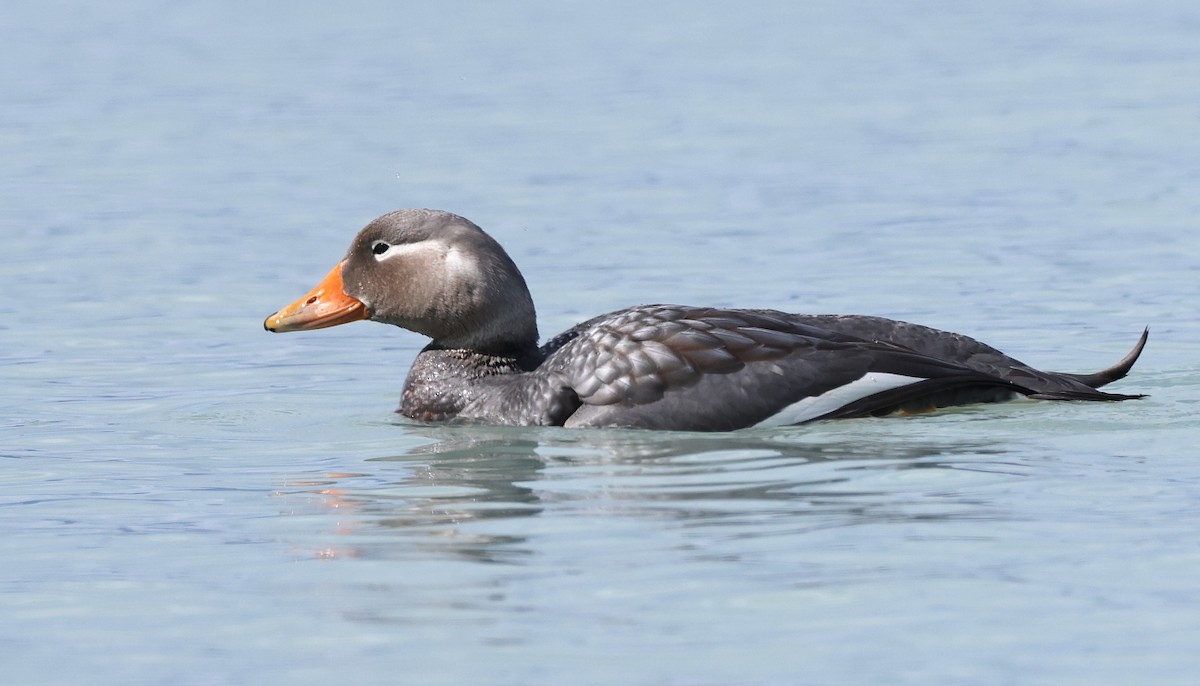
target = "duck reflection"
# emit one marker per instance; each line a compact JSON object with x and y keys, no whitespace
{"x":441,"y":495}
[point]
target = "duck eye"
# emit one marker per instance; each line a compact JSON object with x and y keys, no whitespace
{"x":380,"y":247}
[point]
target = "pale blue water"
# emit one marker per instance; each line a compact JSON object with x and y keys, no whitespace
{"x":186,"y":499}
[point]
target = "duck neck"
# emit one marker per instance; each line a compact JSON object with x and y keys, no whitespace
{"x":496,"y":325}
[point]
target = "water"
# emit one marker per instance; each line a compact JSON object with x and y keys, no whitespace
{"x":186,"y":499}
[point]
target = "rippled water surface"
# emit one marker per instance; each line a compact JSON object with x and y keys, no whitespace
{"x":186,"y":499}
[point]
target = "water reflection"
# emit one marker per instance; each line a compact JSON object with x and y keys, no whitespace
{"x":441,"y":496}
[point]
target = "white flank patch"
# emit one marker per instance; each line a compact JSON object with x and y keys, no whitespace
{"x":815,"y":406}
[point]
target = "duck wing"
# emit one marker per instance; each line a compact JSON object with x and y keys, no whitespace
{"x":705,"y":369}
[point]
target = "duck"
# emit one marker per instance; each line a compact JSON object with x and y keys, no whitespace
{"x":658,"y":367}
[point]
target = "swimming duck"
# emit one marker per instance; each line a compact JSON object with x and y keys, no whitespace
{"x":670,"y":367}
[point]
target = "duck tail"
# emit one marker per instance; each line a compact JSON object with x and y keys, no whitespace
{"x":1117,"y":371}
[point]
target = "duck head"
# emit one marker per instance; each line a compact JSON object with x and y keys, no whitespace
{"x":427,"y":271}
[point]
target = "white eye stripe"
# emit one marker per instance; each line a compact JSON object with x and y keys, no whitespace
{"x":382,"y":250}
{"x":433,"y":255}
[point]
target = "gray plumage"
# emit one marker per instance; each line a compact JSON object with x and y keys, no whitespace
{"x":657,"y":366}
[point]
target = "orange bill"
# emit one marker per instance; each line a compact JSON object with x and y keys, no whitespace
{"x":325,"y":305}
